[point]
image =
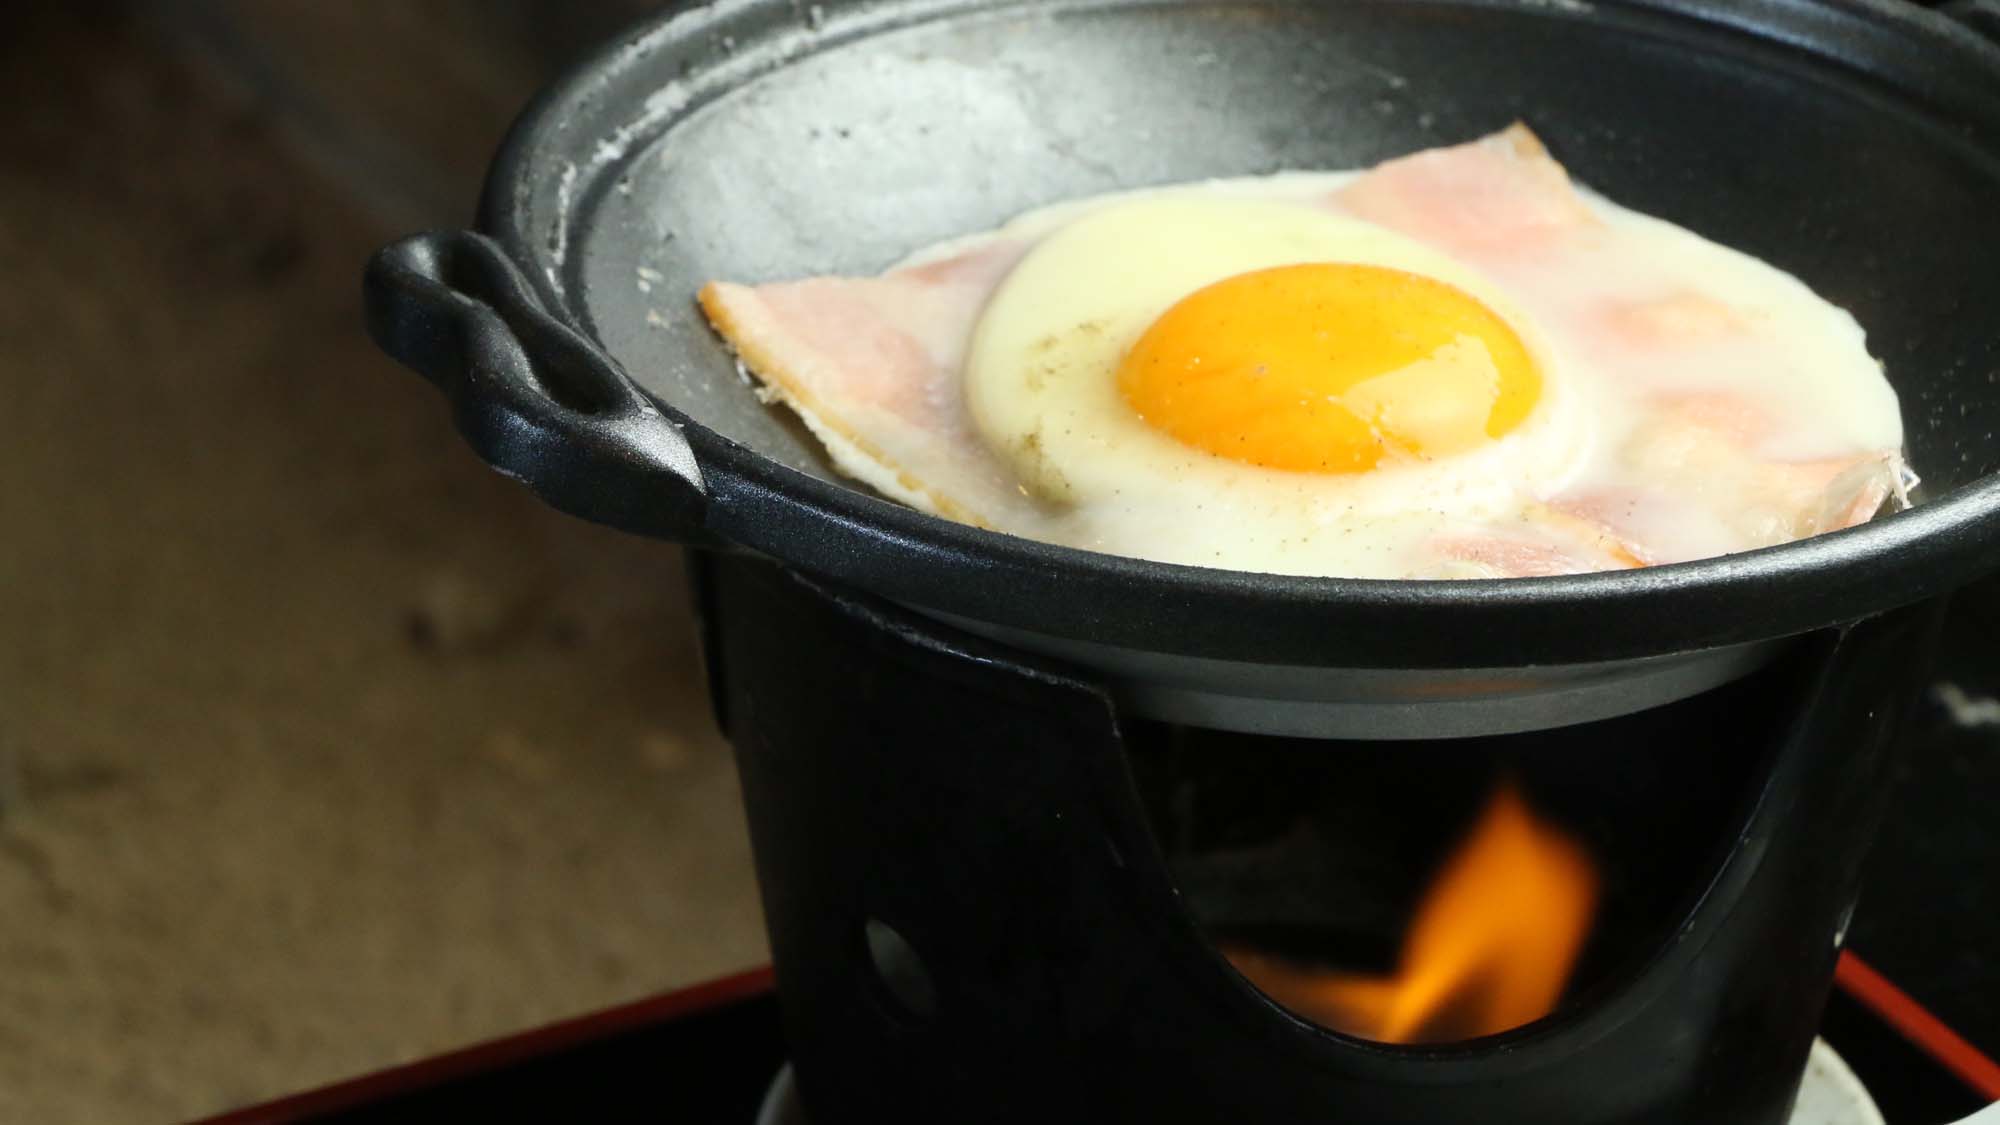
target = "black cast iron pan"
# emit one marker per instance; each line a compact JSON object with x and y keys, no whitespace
{"x":1854,"y":143}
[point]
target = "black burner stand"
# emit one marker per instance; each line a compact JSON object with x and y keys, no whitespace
{"x":972,"y":923}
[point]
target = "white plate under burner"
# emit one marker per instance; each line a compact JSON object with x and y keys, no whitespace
{"x":1831,"y":1095}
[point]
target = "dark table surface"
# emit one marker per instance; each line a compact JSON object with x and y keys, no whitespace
{"x":1929,"y":917}
{"x":1930,"y":913}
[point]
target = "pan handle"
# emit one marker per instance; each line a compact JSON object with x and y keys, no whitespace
{"x":536,"y":399}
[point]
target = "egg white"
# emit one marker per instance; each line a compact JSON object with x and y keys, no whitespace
{"x":1041,"y":386}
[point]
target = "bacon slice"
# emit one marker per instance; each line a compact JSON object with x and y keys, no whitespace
{"x":873,"y":367}
{"x":1675,"y":321}
{"x":1519,"y":555}
{"x":1494,"y":194}
{"x":1744,"y":499}
{"x":1698,"y":485}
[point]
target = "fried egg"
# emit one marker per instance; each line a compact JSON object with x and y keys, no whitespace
{"x":1457,"y":364}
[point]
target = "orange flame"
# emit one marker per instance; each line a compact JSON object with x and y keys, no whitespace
{"x":1491,"y":947}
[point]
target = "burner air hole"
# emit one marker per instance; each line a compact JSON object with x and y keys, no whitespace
{"x":904,"y":983}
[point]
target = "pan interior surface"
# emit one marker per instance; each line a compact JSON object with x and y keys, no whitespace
{"x":844,"y":159}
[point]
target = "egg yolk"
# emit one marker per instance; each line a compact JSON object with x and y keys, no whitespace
{"x":1327,"y":367}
